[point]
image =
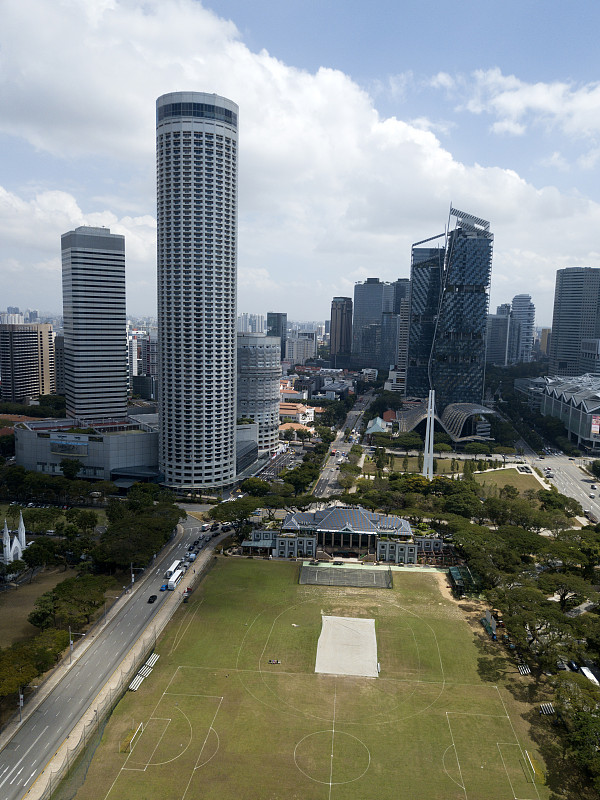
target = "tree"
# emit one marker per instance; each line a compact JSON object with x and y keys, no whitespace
{"x":236,"y":511}
{"x":570,"y":588}
{"x":70,"y":467}
{"x":255,"y":487}
{"x":595,"y":468}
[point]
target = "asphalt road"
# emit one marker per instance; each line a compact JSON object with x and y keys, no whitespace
{"x":36,"y":741}
{"x":570,"y":480}
{"x":327,"y":483}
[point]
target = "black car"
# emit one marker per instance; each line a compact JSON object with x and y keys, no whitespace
{"x":214,"y":526}
{"x":152,"y":598}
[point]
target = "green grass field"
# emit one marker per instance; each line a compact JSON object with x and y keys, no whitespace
{"x":504,"y":477}
{"x":222,"y":722}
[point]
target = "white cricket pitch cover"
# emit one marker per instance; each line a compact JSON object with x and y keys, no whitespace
{"x":347,"y":646}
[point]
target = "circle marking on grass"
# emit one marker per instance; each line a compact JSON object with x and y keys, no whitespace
{"x":360,"y":755}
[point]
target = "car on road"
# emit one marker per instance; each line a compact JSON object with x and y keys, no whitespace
{"x":593,"y":486}
{"x":152,"y":598}
{"x":592,"y":495}
{"x":164,"y":587}
{"x":214,"y":526}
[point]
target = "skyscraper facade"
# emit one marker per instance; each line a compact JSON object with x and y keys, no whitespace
{"x":371,"y":299}
{"x":95,"y":343}
{"x":523,"y":312}
{"x":26,"y":362}
{"x":576,"y":317}
{"x":449,"y":306}
{"x":340,"y":331}
{"x":196,"y":147}
{"x":277,"y":326}
{"x":258,"y":373}
{"x":427,"y":266}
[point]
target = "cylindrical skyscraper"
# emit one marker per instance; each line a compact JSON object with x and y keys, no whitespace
{"x":196,"y":152}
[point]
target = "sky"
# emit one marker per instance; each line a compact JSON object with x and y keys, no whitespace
{"x":360,"y":124}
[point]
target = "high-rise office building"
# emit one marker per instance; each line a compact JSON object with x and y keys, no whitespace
{"x":258,"y":373}
{"x":340,"y":331}
{"x":95,"y":344}
{"x":371,"y":299}
{"x":301,"y":346}
{"x":402,"y":310}
{"x":545,"y":341}
{"x":26,"y":362}
{"x":523,"y":312}
{"x":576,"y":317}
{"x":449,"y":307}
{"x":427,"y":266}
{"x":59,"y":363}
{"x":502,"y":339}
{"x":277,"y":326}
{"x":196,"y":145}
{"x":250,"y":323}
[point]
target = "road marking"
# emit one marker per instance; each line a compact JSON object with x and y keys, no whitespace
{"x":16,"y":776}
{"x":31,"y":746}
{"x":29,"y":778}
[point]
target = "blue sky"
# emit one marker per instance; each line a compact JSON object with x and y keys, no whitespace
{"x":359,"y":125}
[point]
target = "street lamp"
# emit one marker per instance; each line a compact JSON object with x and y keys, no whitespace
{"x":71,"y":634}
{"x":110,"y":597}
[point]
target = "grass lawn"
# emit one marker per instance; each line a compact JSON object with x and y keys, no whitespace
{"x":222,"y":722}
{"x":504,"y":477}
{"x":17,"y":604}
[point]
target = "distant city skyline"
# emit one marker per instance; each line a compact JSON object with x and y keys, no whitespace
{"x":394,"y":132}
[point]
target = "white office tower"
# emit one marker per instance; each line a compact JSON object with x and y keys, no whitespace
{"x":196,"y":149}
{"x":258,"y":373}
{"x":523,"y":311}
{"x":95,"y":325}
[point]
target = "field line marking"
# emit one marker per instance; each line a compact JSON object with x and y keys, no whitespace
{"x":192,"y":694}
{"x":512,"y":791}
{"x":450,"y":747}
{"x":475,"y":714}
{"x":332,"y":738}
{"x":462,"y":780}
{"x":517,"y":739}
{"x":150,"y":717}
{"x":162,"y":763}
{"x":210,"y":728}
{"x":157,"y":744}
{"x":179,"y":636}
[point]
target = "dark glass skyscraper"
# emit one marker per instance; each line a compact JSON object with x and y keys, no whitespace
{"x":277,"y":326}
{"x":340,"y":331}
{"x":371,"y":299}
{"x":449,"y":306}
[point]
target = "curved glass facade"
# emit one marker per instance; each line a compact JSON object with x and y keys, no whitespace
{"x":197,"y":110}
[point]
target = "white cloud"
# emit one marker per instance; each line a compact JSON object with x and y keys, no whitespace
{"x":517,"y":104}
{"x":329,"y":189}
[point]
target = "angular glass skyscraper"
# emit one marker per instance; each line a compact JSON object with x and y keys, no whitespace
{"x":196,"y":154}
{"x":449,"y":306}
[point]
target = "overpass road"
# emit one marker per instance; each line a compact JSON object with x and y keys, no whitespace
{"x":94,"y":660}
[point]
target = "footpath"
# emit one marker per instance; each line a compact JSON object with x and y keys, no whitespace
{"x":90,"y":716}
